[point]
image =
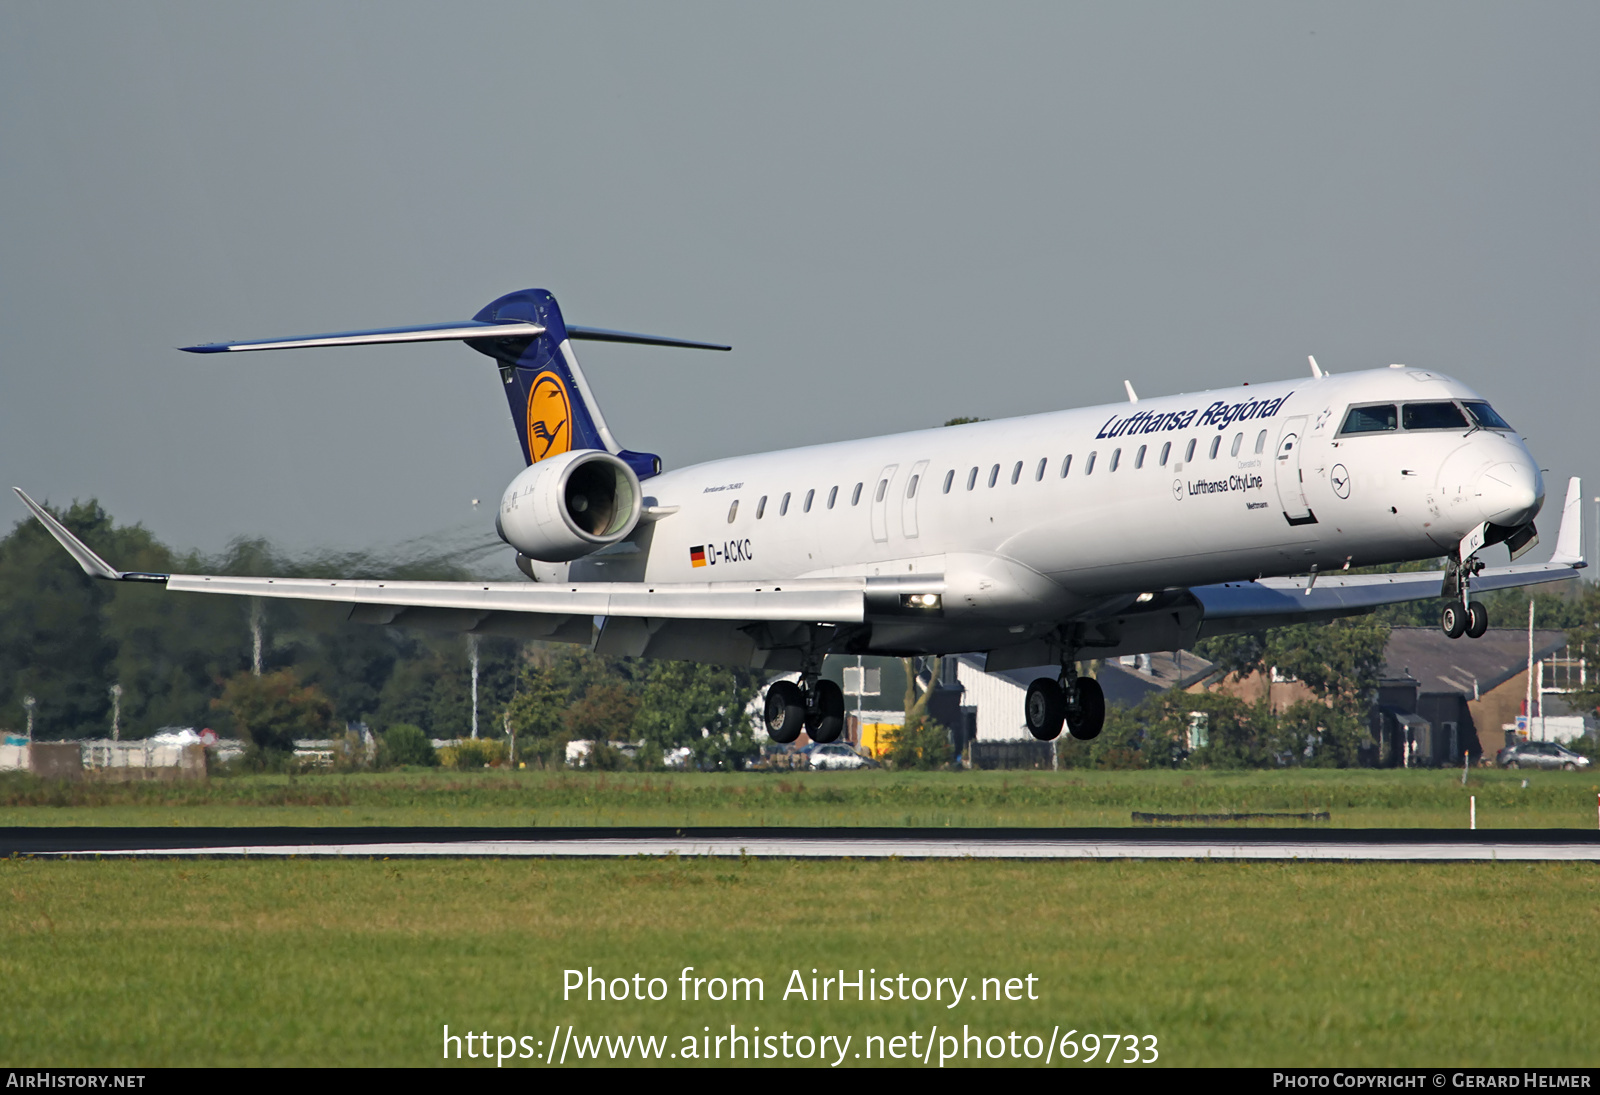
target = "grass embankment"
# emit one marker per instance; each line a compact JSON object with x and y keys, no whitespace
{"x":1355,"y":798}
{"x":316,"y":962}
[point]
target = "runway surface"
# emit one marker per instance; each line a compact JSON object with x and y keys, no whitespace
{"x":790,"y":843}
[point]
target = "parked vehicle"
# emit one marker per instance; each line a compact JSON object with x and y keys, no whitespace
{"x":1541,"y":754}
{"x":837,"y":755}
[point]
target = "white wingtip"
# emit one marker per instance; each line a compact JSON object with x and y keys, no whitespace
{"x":1569,"y":540}
{"x":1316,"y":370}
{"x":1133,"y":397}
{"x":92,"y":564}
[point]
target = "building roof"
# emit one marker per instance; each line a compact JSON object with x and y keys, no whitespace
{"x":1439,"y":663}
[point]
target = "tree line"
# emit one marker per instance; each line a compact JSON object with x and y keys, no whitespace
{"x":189,"y":659}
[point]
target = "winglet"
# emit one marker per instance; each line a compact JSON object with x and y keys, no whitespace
{"x":1569,"y":539}
{"x":92,"y":564}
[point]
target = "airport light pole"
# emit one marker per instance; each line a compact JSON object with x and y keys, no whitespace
{"x":116,"y":712}
{"x":30,"y":703}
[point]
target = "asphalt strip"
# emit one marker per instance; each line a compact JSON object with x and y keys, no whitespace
{"x":1429,"y":845}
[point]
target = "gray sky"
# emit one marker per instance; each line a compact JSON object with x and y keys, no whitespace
{"x":896,"y":213}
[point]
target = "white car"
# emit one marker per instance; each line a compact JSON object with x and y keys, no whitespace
{"x":835,"y":756}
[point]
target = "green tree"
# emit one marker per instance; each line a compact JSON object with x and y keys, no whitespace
{"x":406,"y":744}
{"x":274,"y":709}
{"x":703,"y":707}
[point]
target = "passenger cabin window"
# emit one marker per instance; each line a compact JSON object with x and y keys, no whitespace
{"x":883,"y":486}
{"x":1116,"y":458}
{"x":1216,"y":443}
{"x":810,"y":494}
{"x":1088,"y":465}
{"x":1016,"y":473}
{"x":949,"y":479}
{"x":1484,"y":416}
{"x":733,"y":511}
{"x":855,"y":495}
{"x":972,"y":478}
{"x":1166,"y":451}
{"x":761,"y":508}
{"x":1433,"y":416}
{"x":783,"y":506}
{"x":833,"y":496}
{"x":1138,"y":457}
{"x":911,"y":487}
{"x":1238,"y":439}
{"x":994,"y":475}
{"x":1038,"y":475}
{"x":1379,"y":419}
{"x":1066,"y":465}
{"x":1188,"y":453}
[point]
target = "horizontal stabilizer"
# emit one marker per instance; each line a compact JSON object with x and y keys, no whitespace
{"x":431,"y":332}
{"x":445,"y":332}
{"x":599,"y":334}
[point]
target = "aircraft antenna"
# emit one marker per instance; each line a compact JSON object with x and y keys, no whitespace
{"x":1133,"y":396}
{"x":1316,"y":370}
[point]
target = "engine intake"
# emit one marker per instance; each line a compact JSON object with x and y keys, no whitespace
{"x":569,"y":506}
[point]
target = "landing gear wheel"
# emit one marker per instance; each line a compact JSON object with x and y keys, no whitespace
{"x":1453,"y":620}
{"x":1085,"y":724}
{"x":785,"y":711}
{"x":1044,"y":709}
{"x":1477,"y":620}
{"x":825,"y":720}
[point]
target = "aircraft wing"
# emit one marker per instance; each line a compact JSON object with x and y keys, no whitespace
{"x":1273,"y":602}
{"x":662,"y":619}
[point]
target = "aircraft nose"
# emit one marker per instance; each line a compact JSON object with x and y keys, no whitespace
{"x":1510,"y":494}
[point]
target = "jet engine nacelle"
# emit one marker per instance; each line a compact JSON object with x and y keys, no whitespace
{"x":568,"y":506}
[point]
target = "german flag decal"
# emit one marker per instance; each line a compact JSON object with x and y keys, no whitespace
{"x":697,"y":556}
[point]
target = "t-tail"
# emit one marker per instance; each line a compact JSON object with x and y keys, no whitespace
{"x":552,"y":406}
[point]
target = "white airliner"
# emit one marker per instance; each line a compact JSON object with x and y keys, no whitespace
{"x":1042,"y":540}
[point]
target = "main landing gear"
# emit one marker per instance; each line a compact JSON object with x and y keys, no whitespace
{"x":1471,"y":620}
{"x":814,"y":705}
{"x":1077,"y":701}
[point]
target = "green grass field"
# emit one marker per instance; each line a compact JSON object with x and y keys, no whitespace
{"x":1355,"y":798}
{"x":315,"y":962}
{"x":312,"y":962}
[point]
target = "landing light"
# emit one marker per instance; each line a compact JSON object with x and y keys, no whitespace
{"x":1145,"y":598}
{"x":921,"y":600}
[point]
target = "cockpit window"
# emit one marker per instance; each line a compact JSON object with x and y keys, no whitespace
{"x":1433,"y":416}
{"x":1371,"y":419}
{"x":1484,"y":415}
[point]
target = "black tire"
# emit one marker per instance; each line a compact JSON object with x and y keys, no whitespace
{"x":1477,"y":620}
{"x":1513,"y":764}
{"x":1453,"y":620}
{"x":825,"y":721}
{"x":1569,"y":767}
{"x":1044,"y":708}
{"x":785,"y":711}
{"x":1091,"y":714}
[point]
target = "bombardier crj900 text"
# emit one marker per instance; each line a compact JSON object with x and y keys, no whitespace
{"x":1043,"y":540}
